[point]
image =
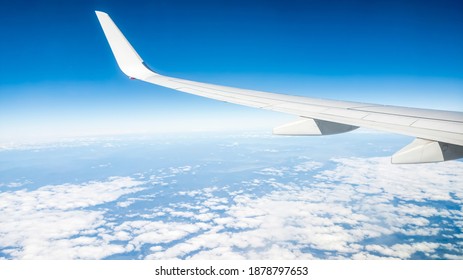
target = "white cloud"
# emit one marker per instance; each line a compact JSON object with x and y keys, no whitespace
{"x":361,"y":201}
{"x":416,"y":182}
{"x":69,"y":196}
{"x":360,"y":209}
{"x":155,"y":232}
{"x":16,"y":184}
{"x":403,"y":251}
{"x":308,"y":166}
{"x":43,"y":223}
{"x":453,"y":257}
{"x":126,"y":203}
{"x":181,"y":169}
{"x":273,"y":171}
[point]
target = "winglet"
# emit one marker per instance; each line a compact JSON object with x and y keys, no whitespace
{"x":127,"y":58}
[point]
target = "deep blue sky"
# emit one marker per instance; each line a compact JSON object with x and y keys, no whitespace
{"x":58,"y":74}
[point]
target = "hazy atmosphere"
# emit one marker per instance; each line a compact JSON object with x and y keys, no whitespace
{"x":94,"y":165}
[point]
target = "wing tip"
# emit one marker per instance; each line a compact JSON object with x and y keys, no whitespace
{"x":100,"y":15}
{"x":127,"y":58}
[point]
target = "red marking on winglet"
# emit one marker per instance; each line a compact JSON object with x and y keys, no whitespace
{"x":132,"y":78}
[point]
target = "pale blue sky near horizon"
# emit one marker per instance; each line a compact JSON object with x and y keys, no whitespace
{"x":59,"y":78}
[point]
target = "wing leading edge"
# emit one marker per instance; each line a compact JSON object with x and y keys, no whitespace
{"x":439,"y":134}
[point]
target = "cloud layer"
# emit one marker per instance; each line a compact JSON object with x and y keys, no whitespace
{"x":348,"y":208}
{"x":57,"y":222}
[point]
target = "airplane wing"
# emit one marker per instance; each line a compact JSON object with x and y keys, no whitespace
{"x":439,"y":134}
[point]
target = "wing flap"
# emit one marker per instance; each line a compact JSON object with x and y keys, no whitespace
{"x":390,"y":119}
{"x":439,"y":125}
{"x":348,"y":113}
{"x":414,"y":112}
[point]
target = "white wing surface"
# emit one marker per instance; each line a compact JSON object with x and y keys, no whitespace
{"x":439,"y":134}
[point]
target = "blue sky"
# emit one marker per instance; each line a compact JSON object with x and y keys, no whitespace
{"x":58,"y":76}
